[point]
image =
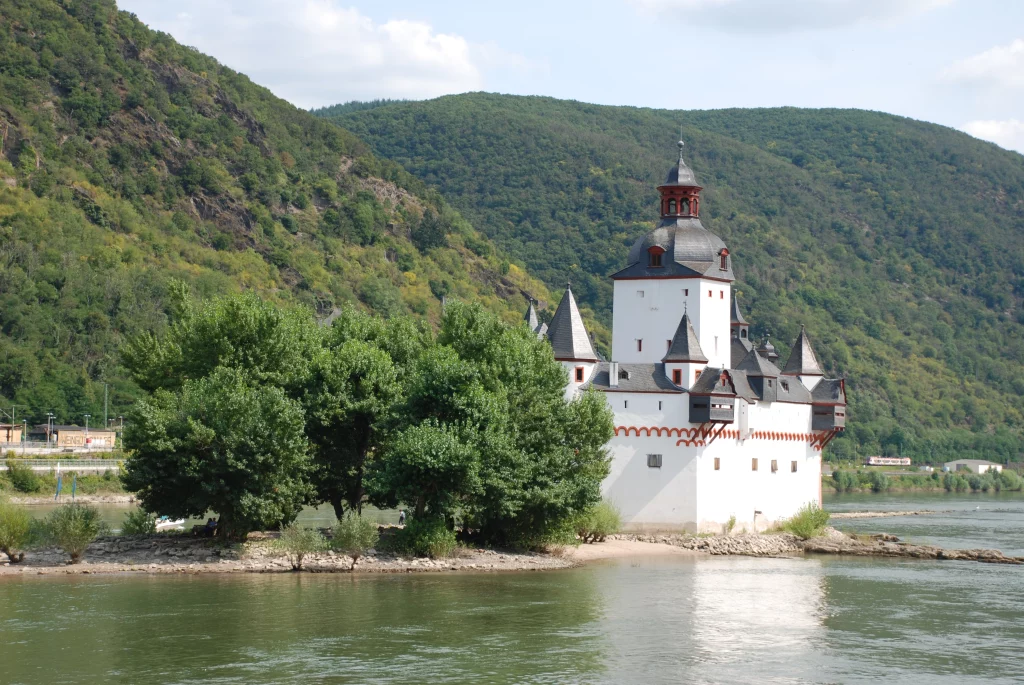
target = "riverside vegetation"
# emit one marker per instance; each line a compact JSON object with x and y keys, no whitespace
{"x":880,"y":481}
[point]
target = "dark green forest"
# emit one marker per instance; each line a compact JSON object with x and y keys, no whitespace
{"x":130,"y":163}
{"x":898,"y":243}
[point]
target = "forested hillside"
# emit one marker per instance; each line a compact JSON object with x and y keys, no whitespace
{"x":899,"y":244}
{"x":129,"y":162}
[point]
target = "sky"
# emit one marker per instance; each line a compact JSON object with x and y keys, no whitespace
{"x":959,"y":63}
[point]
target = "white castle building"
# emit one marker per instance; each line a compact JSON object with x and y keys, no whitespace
{"x":707,"y":427}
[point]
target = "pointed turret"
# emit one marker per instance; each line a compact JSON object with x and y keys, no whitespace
{"x":767,"y":350}
{"x":567,"y":334}
{"x":755,"y":364}
{"x":534,"y":323}
{"x":685,"y":347}
{"x":736,"y":316}
{"x":802,"y":360}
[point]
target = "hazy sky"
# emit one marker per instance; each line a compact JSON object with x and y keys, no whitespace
{"x":954,"y":62}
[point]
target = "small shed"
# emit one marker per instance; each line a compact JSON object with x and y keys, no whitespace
{"x":10,"y":432}
{"x":972,"y":465}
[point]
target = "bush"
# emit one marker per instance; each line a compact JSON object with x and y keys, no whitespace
{"x":138,"y":522}
{"x":73,"y":526}
{"x":598,"y":522}
{"x":808,"y":522}
{"x":15,"y":529}
{"x":729,"y":525}
{"x":428,"y":537}
{"x":297,"y":543}
{"x":354,"y":535}
{"x":878,"y":481}
{"x":844,"y":481}
{"x":22,"y":477}
{"x":1009,"y":480}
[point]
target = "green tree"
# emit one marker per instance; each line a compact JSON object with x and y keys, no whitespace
{"x":15,"y":526}
{"x":221,"y":443}
{"x":72,"y":527}
{"x":353,"y":536}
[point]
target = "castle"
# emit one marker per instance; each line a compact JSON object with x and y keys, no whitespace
{"x":708,"y":429}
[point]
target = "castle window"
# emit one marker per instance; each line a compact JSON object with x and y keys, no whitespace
{"x":709,"y":293}
{"x":684,"y":206}
{"x":721,"y":294}
{"x":724,"y":263}
{"x":639,"y":345}
{"x":654,"y":461}
{"x":696,"y":375}
{"x":753,"y":464}
{"x":743,"y":333}
{"x":785,"y":385}
{"x":579,"y":374}
{"x":640,"y":294}
{"x":668,"y":345}
{"x":677,"y":376}
{"x":625,"y":404}
{"x":792,"y":467}
{"x":775,"y":465}
{"x":718,"y":463}
{"x":671,"y":206}
{"x":654,"y":254}
{"x":659,"y":405}
{"x":686,"y":292}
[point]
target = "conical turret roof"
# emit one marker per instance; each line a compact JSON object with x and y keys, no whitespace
{"x":567,"y":334}
{"x":685,"y":347}
{"x":680,"y":174}
{"x":531,"y":318}
{"x":802,"y":360}
{"x":735,"y":315}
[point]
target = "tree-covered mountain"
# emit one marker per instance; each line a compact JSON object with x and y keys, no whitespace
{"x":129,"y":162}
{"x":899,"y":244}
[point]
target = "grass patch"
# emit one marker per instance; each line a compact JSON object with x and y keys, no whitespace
{"x":808,"y":522}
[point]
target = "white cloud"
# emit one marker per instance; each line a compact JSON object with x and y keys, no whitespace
{"x":1008,"y":133}
{"x":786,"y":16}
{"x":1000,"y":67}
{"x":316,"y":52}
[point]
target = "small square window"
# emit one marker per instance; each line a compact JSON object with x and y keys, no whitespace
{"x":718,"y":463}
{"x":792,"y":467}
{"x":753,"y":464}
{"x":579,"y":374}
{"x":640,"y":294}
{"x":639,"y":345}
{"x":677,"y":376}
{"x":686,"y":292}
{"x":654,"y":461}
{"x":775,"y":465}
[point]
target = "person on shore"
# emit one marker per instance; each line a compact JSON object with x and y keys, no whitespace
{"x":211,"y":527}
{"x":401,"y":517}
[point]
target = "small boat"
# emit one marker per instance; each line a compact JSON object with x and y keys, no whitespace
{"x":167,"y":523}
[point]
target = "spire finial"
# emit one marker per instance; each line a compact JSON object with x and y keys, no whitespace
{"x":684,"y":307}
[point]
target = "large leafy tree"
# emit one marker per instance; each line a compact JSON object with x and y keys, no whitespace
{"x":223,"y":443}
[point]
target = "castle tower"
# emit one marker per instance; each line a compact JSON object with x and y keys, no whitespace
{"x":739,"y":333}
{"x":679,"y":266}
{"x":571,"y":344}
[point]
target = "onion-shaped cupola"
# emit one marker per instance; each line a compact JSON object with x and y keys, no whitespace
{"x":680,"y":246}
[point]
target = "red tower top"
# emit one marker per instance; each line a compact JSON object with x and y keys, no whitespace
{"x":680,"y":194}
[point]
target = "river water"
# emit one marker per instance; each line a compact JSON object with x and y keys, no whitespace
{"x":701,"y":620}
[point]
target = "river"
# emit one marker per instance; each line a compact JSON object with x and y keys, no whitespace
{"x":703,"y":620}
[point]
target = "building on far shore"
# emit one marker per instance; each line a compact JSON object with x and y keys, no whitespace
{"x":74,"y":436}
{"x":10,"y":432}
{"x":972,"y":465}
{"x":887,"y":461}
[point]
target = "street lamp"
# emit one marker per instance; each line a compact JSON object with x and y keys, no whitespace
{"x":50,"y":416}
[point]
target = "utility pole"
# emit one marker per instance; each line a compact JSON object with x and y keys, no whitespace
{"x":86,"y":445}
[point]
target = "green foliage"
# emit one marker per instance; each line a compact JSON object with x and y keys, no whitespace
{"x":15,"y":529}
{"x":220,"y":443}
{"x":297,"y":543}
{"x":23,"y":478}
{"x":844,"y":481}
{"x":730,"y":524}
{"x":426,"y":537}
{"x":1010,"y":480}
{"x":354,"y":535}
{"x":131,"y":162}
{"x":808,"y":522}
{"x":138,"y":522}
{"x":72,"y":527}
{"x":878,"y":481}
{"x":599,"y":521}
{"x":837,"y":219}
{"x":954,"y":482}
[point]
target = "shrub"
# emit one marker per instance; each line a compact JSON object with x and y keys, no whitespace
{"x":73,"y":526}
{"x":1009,"y":480}
{"x":427,"y":537}
{"x":961,"y":484}
{"x":808,"y":522}
{"x":15,"y":529}
{"x":878,"y":481}
{"x":598,"y":522}
{"x":730,"y":524}
{"x":844,"y":481}
{"x":354,"y":535}
{"x":138,"y":522}
{"x":298,"y":543}
{"x":22,"y":477}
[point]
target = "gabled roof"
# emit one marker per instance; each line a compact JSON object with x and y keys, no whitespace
{"x":829,"y":391}
{"x":756,"y":365}
{"x":738,"y":349}
{"x":710,"y":383}
{"x":567,"y":334}
{"x":802,"y":360}
{"x":685,"y":347}
{"x":735,"y":316}
{"x":633,"y":378}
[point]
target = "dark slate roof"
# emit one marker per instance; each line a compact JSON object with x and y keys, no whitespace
{"x":735,"y":315}
{"x":639,"y":378}
{"x":792,"y":390}
{"x":756,"y":365}
{"x":685,"y":347}
{"x":829,"y":391}
{"x":802,"y":360}
{"x":568,"y":336}
{"x":680,"y":174}
{"x":710,"y":383}
{"x":690,"y":250}
{"x":767,"y":350}
{"x":739,"y":349}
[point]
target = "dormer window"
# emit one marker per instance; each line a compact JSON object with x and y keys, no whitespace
{"x":655,"y":256}
{"x":724,"y":257}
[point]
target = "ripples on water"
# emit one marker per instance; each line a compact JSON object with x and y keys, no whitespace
{"x":701,"y":620}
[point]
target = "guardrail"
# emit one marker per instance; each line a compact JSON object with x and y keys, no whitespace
{"x":67,"y":465}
